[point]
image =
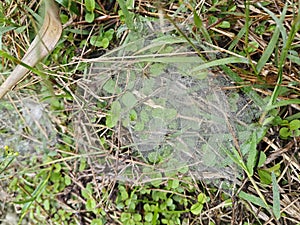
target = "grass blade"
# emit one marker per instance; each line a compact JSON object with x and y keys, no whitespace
{"x":278,"y":22}
{"x":220,"y":62}
{"x":272,"y":44}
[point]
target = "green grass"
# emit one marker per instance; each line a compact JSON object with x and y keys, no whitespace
{"x":66,"y":181}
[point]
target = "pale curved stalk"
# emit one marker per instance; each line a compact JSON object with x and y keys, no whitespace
{"x":41,"y":46}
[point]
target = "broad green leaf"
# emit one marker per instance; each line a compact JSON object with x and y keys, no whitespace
{"x":129,"y":100}
{"x":173,"y":184}
{"x":139,"y":126}
{"x":137,"y":217}
{"x":109,"y":34}
{"x":251,"y":198}
{"x":252,"y":155}
{"x":276,"y":197}
{"x":265,"y":176}
{"x":197,"y":21}
{"x":156,"y":179}
{"x":114,"y":114}
{"x":125,"y":216}
{"x":262,"y":159}
{"x":111,"y":87}
{"x":127,"y":15}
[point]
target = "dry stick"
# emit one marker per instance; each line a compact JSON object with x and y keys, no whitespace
{"x":41,"y":46}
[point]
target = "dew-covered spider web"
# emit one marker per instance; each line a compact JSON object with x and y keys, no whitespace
{"x":167,"y":115}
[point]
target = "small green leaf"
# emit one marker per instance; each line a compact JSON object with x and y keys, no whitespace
{"x":201,"y":198}
{"x":125,"y":216}
{"x":212,"y":19}
{"x":137,"y":217}
{"x":89,"y":17}
{"x":111,"y":87}
{"x":128,"y":99}
{"x":90,"y":5}
{"x":224,"y":24}
{"x":82,"y":164}
{"x":85,"y":193}
{"x":123,"y":193}
{"x":197,"y":208}
{"x":265,"y":177}
{"x":173,"y":184}
{"x":96,"y":222}
{"x":46,"y":204}
{"x":105,"y":42}
{"x":294,"y":125}
{"x":90,"y":204}
{"x":284,"y":132}
{"x":262,"y":159}
{"x":96,"y":40}
{"x":149,"y":216}
{"x":197,"y":20}
{"x":109,"y":34}
{"x":139,"y":126}
{"x":114,"y":115}
{"x":68,"y":180}
{"x":252,"y":47}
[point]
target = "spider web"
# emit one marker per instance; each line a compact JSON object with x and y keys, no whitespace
{"x":174,"y":118}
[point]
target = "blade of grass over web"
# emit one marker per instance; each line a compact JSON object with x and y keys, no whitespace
{"x":246,"y":89}
{"x":219,"y":62}
{"x":184,"y":35}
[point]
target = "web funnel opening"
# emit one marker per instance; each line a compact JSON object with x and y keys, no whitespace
{"x":174,"y":118}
